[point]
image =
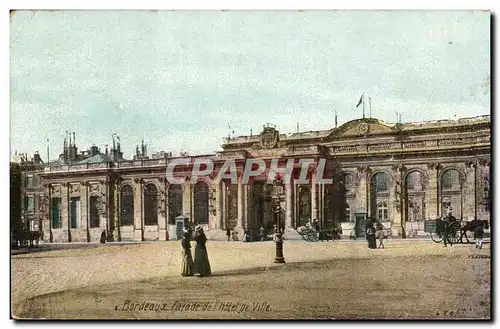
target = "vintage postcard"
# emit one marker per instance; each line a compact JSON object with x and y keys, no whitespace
{"x":224,"y":164}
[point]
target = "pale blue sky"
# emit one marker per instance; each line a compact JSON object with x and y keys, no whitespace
{"x":179,"y":78}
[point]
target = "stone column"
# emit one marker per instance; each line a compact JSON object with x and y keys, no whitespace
{"x":187,"y":201}
{"x":241,"y":204}
{"x":314,"y":198}
{"x":469,"y":193}
{"x":64,"y":237}
{"x":395,"y":201}
{"x":361,"y":192}
{"x":138,"y":236}
{"x":289,"y":203}
{"x":85,"y":209}
{"x":431,"y":192}
{"x":246,"y":201}
{"x":162,"y":214}
{"x":219,"y":205}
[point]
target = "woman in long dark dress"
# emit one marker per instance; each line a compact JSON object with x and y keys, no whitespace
{"x":370,"y":234}
{"x":201,"y":263}
{"x":187,"y":259}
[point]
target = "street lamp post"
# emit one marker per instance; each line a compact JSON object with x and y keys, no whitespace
{"x":278,"y":235}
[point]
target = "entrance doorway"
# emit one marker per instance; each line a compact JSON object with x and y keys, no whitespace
{"x":261,"y":209}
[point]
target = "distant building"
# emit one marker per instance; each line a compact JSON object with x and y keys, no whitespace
{"x":400,"y":174}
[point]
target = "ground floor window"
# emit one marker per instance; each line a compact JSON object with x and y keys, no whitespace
{"x":382,"y":212}
{"x":94,"y":211}
{"x":75,"y":212}
{"x":56,"y":213}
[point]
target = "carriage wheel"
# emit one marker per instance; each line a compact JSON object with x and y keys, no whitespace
{"x":306,"y":237}
{"x":438,"y":238}
{"x":314,"y":238}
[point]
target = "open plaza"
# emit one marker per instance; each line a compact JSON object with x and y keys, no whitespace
{"x":409,"y":279}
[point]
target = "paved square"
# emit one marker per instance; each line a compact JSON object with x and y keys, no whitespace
{"x":342,"y":279}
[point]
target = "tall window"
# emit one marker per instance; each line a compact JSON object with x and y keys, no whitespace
{"x":349,"y":183}
{"x":127,"y":206}
{"x":29,"y":203}
{"x":174,"y":202}
{"x":201,"y":203}
{"x":382,"y":212}
{"x":150,"y":205}
{"x":94,"y":211}
{"x":75,"y":212}
{"x":29,"y":181}
{"x":56,"y":213}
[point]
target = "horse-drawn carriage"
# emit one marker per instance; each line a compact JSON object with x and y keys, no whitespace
{"x":456,"y":230}
{"x":308,"y":233}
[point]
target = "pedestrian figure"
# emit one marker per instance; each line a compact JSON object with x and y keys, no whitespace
{"x":447,"y":221}
{"x":235,"y":236}
{"x":187,"y":258}
{"x":479,"y":235}
{"x":380,"y":235}
{"x":262,"y":234}
{"x":228,"y":233}
{"x":201,"y":262}
{"x":370,"y":235}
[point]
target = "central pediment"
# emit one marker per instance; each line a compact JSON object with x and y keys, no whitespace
{"x":363,"y":127}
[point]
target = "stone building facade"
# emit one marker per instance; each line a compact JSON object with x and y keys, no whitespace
{"x":400,"y":174}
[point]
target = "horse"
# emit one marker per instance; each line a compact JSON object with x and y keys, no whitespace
{"x":25,"y":238}
{"x":471,"y":226}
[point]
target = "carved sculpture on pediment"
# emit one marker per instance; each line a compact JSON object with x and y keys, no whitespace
{"x":56,"y":189}
{"x":435,"y":165}
{"x":485,"y":162}
{"x":75,"y":188}
{"x":269,"y":137}
{"x":363,"y":128}
{"x":94,"y":188}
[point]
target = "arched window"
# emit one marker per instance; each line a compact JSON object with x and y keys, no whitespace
{"x":201,"y":203}
{"x":380,"y":182}
{"x":174,"y":202}
{"x":150,"y":205}
{"x":127,"y":206}
{"x":414,"y":181}
{"x":450,"y":179}
{"x":382,"y":212}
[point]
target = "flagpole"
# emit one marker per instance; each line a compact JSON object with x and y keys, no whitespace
{"x":370,"y":104}
{"x":363,"y":105}
{"x":48,"y":153}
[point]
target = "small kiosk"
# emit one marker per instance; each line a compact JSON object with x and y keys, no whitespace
{"x":181,"y":222}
